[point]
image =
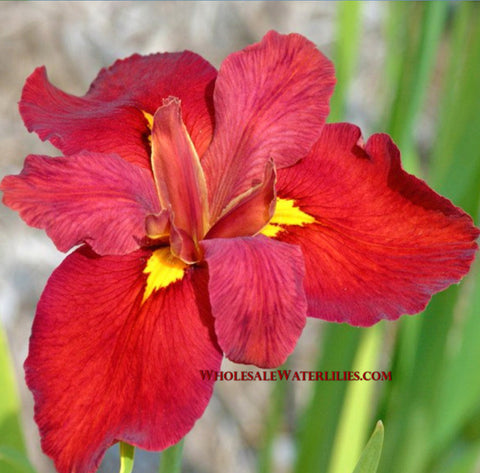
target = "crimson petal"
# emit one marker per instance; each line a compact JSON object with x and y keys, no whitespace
{"x":104,"y":367}
{"x":257,"y":298}
{"x":180,"y":180}
{"x":271,"y":101}
{"x":109,"y":118}
{"x":96,"y":198}
{"x":383,"y":242}
{"x":250,"y":212}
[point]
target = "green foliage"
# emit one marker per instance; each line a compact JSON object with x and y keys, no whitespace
{"x":127,"y":454}
{"x":346,"y":54}
{"x":431,"y":408}
{"x":171,"y":459}
{"x":319,"y":422}
{"x":368,"y":462}
{"x":357,"y":407}
{"x":12,"y":449}
{"x":13,"y":461}
{"x":436,"y":389}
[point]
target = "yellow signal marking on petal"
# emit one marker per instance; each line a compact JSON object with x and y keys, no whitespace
{"x":271,"y":230}
{"x":163,"y":269}
{"x":286,"y":213}
{"x":149,"y":118}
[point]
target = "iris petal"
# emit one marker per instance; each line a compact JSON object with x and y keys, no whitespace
{"x":257,"y":297}
{"x":271,"y":101}
{"x":382,"y":242}
{"x":95,"y":198}
{"x":250,"y":212}
{"x":180,"y":180}
{"x":104,"y":367}
{"x":109,"y":117}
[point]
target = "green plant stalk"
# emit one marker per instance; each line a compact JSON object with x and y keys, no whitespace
{"x":443,"y":149}
{"x":345,"y":55}
{"x":355,"y":418}
{"x":13,"y":455}
{"x":417,"y":67}
{"x":13,"y":461}
{"x":455,"y":170}
{"x":127,"y":454}
{"x":319,"y":421}
{"x":171,"y":459}
{"x":455,"y":404}
{"x":273,"y":423}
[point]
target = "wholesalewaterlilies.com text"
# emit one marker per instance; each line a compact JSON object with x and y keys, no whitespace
{"x":292,"y":375}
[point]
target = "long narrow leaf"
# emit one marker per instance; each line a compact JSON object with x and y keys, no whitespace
{"x":12,"y":460}
{"x":273,"y":423}
{"x":320,"y":419}
{"x":425,"y":26}
{"x":13,"y":457}
{"x":347,"y":42}
{"x":171,"y":459}
{"x":368,"y":462}
{"x":357,"y":408}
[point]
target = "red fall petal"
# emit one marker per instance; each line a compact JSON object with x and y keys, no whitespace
{"x":271,"y":101}
{"x":257,"y":297}
{"x":109,"y":118}
{"x":89,"y":197}
{"x":104,"y":367}
{"x":383,"y":242}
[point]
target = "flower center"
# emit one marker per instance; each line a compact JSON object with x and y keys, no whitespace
{"x":179,"y":181}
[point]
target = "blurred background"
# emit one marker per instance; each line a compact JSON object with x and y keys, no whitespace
{"x":411,"y":69}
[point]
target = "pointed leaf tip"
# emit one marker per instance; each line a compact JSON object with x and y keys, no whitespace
{"x":370,"y":457}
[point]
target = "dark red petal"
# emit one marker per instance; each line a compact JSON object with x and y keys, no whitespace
{"x":103,"y":367}
{"x":271,"y":101}
{"x":179,"y":178}
{"x":109,"y":117}
{"x":250,"y":212}
{"x":257,"y":298}
{"x":89,"y":197}
{"x":383,"y":241}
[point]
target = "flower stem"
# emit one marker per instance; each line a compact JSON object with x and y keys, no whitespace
{"x":127,"y":453}
{"x":171,"y":459}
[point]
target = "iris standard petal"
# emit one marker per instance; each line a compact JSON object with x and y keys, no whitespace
{"x":377,"y":242}
{"x":271,"y":101}
{"x":257,"y":297}
{"x":109,"y":118}
{"x":106,"y":363}
{"x":95,"y":198}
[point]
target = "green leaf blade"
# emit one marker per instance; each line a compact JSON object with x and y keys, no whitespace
{"x":13,"y":455}
{"x":370,"y":457}
{"x":171,"y":459}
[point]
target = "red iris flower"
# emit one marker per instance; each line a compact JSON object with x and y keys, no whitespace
{"x":215,"y":212}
